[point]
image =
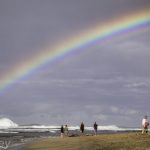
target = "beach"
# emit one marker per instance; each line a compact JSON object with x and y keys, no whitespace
{"x":116,"y":141}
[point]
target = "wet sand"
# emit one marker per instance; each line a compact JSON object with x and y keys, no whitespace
{"x":18,"y":147}
{"x":19,"y":141}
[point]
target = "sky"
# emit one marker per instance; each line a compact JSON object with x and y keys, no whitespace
{"x":107,"y":82}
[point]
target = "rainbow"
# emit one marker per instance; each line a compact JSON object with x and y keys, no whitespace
{"x":121,"y":25}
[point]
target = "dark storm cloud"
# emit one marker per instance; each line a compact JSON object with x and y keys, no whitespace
{"x":98,"y":83}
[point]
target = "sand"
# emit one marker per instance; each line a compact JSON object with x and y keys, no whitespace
{"x":121,"y":141}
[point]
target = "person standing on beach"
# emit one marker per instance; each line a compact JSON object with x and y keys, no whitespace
{"x":66,"y":130}
{"x":82,"y":127}
{"x":95,"y":126}
{"x":62,"y":131}
{"x":145,"y":124}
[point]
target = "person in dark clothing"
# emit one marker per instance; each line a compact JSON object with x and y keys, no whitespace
{"x":82,"y":127}
{"x":62,"y":131}
{"x":95,"y":126}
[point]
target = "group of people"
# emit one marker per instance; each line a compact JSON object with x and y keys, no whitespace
{"x":95,"y":126}
{"x":64,"y":129}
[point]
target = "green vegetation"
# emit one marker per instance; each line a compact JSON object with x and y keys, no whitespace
{"x":123,"y":141}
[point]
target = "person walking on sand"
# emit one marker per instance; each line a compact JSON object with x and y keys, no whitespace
{"x":145,"y":124}
{"x":95,"y":126}
{"x":66,"y":130}
{"x":82,"y":127}
{"x":62,"y":131}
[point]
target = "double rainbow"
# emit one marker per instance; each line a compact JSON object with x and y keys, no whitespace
{"x":137,"y":20}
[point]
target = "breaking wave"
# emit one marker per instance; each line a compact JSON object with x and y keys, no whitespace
{"x":6,"y":123}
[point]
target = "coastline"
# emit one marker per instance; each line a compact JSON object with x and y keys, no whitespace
{"x":22,"y":141}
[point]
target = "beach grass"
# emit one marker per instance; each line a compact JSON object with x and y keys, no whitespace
{"x":121,"y":141}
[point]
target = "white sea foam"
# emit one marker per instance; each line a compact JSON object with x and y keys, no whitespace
{"x":56,"y":128}
{"x":105,"y":128}
{"x":7,"y":123}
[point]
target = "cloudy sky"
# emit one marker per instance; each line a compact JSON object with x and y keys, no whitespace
{"x":108,"y":82}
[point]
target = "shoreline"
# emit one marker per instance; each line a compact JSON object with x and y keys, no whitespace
{"x":23,"y":142}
